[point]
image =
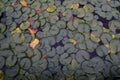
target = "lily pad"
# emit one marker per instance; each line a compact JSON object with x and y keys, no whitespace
{"x":24,"y":25}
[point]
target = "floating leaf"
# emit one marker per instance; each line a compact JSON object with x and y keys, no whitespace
{"x":13,"y":4}
{"x":1,"y":75}
{"x":113,"y":36}
{"x":64,"y":13}
{"x":45,"y":56}
{"x":39,"y":10}
{"x":46,"y":75}
{"x":2,"y":62}
{"x":88,"y":8}
{"x":94,"y":37}
{"x":2,"y":27}
{"x":106,"y":7}
{"x":65,"y":59}
{"x":20,"y":77}
{"x":51,"y":8}
{"x":1,"y":5}
{"x":81,"y":12}
{"x":17,"y":30}
{"x":73,"y":41}
{"x":12,"y":72}
{"x":35,"y":5}
{"x":23,"y":3}
{"x":112,"y":51}
{"x":31,"y":77}
{"x":75,"y":6}
{"x":102,"y":50}
{"x":18,"y":38}
{"x":106,"y":30}
{"x":31,"y":22}
{"x":36,"y":24}
{"x":89,"y":16}
{"x":70,"y":77}
{"x":73,"y":64}
{"x":24,"y":25}
{"x":107,"y":45}
{"x":32,"y":31}
{"x":106,"y":37}
{"x":34,"y":43}
{"x":25,"y":63}
{"x":32,"y":13}
{"x":11,"y":60}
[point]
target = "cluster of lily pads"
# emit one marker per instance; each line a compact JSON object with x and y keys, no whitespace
{"x":59,"y":39}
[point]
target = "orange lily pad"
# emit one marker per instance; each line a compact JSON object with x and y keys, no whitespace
{"x":32,"y":31}
{"x":23,"y":3}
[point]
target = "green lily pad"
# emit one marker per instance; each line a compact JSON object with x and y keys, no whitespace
{"x":81,"y":12}
{"x":2,"y":27}
{"x":24,"y":25}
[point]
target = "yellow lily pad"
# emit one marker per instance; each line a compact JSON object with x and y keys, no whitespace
{"x":34,"y":43}
{"x":75,"y":6}
{"x":51,"y":8}
{"x":117,"y":36}
{"x":70,"y":78}
{"x":107,"y":45}
{"x":98,"y":40}
{"x":64,"y":13}
{"x":112,"y":51}
{"x":17,"y":30}
{"x":1,"y":5}
{"x":73,"y":41}
{"x":94,"y":38}
{"x":1,"y":75}
{"x":113,"y":36}
{"x":92,"y":35}
{"x":74,"y":64}
{"x":106,"y":30}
